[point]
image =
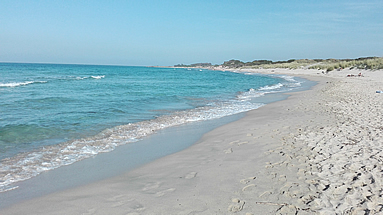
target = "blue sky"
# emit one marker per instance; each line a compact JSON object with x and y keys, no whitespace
{"x":168,"y":32}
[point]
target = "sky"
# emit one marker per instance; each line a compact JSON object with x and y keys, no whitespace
{"x":169,"y":32}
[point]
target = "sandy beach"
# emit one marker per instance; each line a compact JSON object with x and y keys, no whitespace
{"x":317,"y":152}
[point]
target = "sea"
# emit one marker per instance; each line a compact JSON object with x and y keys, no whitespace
{"x":53,"y":115}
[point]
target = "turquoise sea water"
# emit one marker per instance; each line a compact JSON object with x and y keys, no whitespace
{"x":54,"y":115}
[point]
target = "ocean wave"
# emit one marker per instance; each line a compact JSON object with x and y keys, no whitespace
{"x":287,"y":85}
{"x":254,"y":93}
{"x":92,"y":76}
{"x":17,"y":84}
{"x":98,"y":76}
{"x":287,"y":78}
{"x":27,"y":165}
{"x":83,"y":77}
{"x":251,"y":93}
{"x":272,"y":87}
{"x":291,"y":81}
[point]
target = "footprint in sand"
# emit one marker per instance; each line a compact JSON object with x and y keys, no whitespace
{"x":151,"y":186}
{"x":248,"y":187}
{"x":132,"y":203}
{"x":265,"y":194}
{"x":116,"y":198}
{"x":119,"y":204}
{"x":162,"y":193}
{"x":119,"y":200}
{"x":247,"y":180}
{"x":238,"y":142}
{"x":90,"y":211}
{"x":237,"y":206}
{"x":191,"y":175}
{"x":136,"y":206}
{"x":241,"y":143}
{"x":282,"y":178}
{"x":234,"y":142}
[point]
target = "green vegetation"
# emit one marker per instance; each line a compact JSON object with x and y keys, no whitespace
{"x":290,"y":64}
{"x":233,"y":64}
{"x":373,"y":63}
{"x":194,"y":65}
{"x":256,"y":64}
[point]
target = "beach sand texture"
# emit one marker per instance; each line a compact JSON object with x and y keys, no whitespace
{"x":317,"y":152}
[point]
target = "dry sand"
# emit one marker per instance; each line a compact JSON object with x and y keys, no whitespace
{"x":317,"y":152}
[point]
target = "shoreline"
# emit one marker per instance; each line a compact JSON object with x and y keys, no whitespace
{"x":111,"y":164}
{"x":272,"y":160}
{"x":103,"y":130}
{"x":106,"y":165}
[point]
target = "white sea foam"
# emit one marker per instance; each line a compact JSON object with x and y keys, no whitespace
{"x":81,"y":78}
{"x":27,"y":165}
{"x":98,"y":76}
{"x":251,"y":93}
{"x":92,"y":76}
{"x":288,"y":78}
{"x":17,"y":84}
{"x":272,"y":87}
{"x":288,"y":85}
{"x":291,"y":81}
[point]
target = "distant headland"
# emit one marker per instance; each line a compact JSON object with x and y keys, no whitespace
{"x":372,"y":63}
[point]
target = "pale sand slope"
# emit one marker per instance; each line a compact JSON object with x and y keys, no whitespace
{"x":318,"y":152}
